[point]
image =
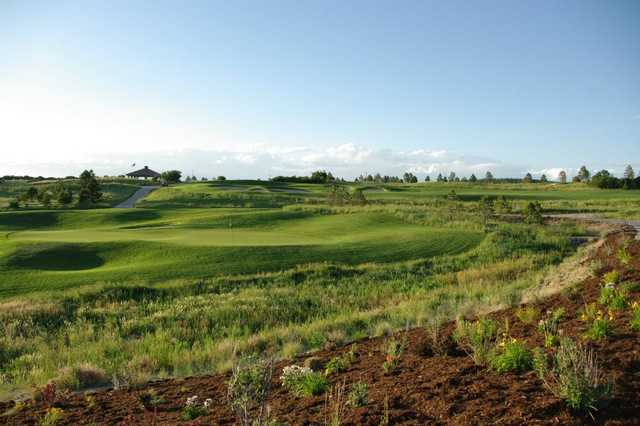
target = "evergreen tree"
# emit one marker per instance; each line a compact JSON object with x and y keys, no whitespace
{"x":583,"y":174}
{"x":452,"y":177}
{"x":528,"y":178}
{"x":629,"y":173}
{"x":439,"y":178}
{"x":543,"y":178}
{"x":473,"y":178}
{"x":89,"y":187}
{"x":427,"y":179}
{"x":488,"y":176}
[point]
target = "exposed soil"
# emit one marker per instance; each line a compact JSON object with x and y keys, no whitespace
{"x":426,"y":389}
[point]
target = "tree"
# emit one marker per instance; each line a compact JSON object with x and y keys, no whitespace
{"x":89,"y":187}
{"x":528,"y":178}
{"x":338,"y":196}
{"x":543,"y":178}
{"x":427,"y":179}
{"x":410,"y":178}
{"x":358,"y":198}
{"x":44,"y":197}
{"x":439,"y":178}
{"x":473,"y":178}
{"x":488,"y":176}
{"x":63,"y":195}
{"x":629,"y":173}
{"x":562,"y":176}
{"x":221,"y":178}
{"x":171,"y":176}
{"x":533,"y":213}
{"x":31,"y":194}
{"x":452,"y":177}
{"x":583,"y":174}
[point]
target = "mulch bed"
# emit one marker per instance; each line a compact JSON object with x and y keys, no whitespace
{"x":425,"y":389}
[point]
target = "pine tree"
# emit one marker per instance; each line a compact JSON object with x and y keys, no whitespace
{"x":528,"y":178}
{"x":629,"y":173}
{"x":543,"y":178}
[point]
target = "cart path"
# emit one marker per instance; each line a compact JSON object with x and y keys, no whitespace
{"x":142,"y":192}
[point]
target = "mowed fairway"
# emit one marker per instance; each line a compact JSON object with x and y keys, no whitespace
{"x":52,"y":250}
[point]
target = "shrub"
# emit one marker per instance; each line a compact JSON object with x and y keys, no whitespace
{"x":359,"y":395}
{"x":150,"y":399}
{"x":611,"y":277}
{"x":548,"y":326}
{"x":393,"y":352}
{"x":82,"y":376}
{"x":476,"y":339}
{"x":192,"y":409}
{"x":312,"y":384}
{"x":599,"y":323}
{"x":249,"y":388}
{"x":512,"y":355}
{"x":612,"y":297}
{"x":439,"y":343}
{"x":336,"y":365}
{"x":533,"y":213}
{"x":52,"y":416}
{"x":635,"y":316}
{"x":527,"y":315}
{"x":573,"y":375}
{"x":302,"y":381}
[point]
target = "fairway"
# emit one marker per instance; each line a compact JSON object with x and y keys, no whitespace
{"x":52,"y":250}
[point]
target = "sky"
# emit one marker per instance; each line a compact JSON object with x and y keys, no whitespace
{"x":251,"y":89}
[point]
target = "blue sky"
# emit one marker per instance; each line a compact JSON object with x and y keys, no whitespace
{"x":261,"y":88}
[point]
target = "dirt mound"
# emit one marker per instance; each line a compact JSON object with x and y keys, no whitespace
{"x":425,"y":389}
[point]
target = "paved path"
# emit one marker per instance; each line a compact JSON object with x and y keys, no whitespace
{"x":138,"y":195}
{"x":590,"y":217}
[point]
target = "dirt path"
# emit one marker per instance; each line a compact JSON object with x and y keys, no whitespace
{"x":590,"y":217}
{"x":138,"y":195}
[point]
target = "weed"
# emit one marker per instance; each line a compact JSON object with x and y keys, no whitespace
{"x":335,"y":406}
{"x":192,"y":409}
{"x":336,"y":365}
{"x":623,"y":256}
{"x":249,"y":388}
{"x":439,"y":343}
{"x":359,"y":395}
{"x":393,"y":353}
{"x":303,"y":381}
{"x":52,"y":416}
{"x":635,"y":316}
{"x":150,"y":399}
{"x":611,"y":277}
{"x":573,"y":375}
{"x":512,"y":355}
{"x":599,"y":324}
{"x":613,"y":297}
{"x":548,"y":326}
{"x":527,"y":315}
{"x":476,"y":339}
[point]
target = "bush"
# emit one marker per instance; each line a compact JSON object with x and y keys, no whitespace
{"x":82,"y":376}
{"x":548,"y":326}
{"x":393,"y":352}
{"x":192,"y":409}
{"x":249,"y":388}
{"x":599,"y":323}
{"x":611,"y":277}
{"x":476,"y":339}
{"x":533,"y":213}
{"x":527,"y":315}
{"x":359,"y":395}
{"x":513,"y":355}
{"x":573,"y":375}
{"x":612,"y":297}
{"x":336,"y":365}
{"x":635,"y":316}
{"x":302,"y":381}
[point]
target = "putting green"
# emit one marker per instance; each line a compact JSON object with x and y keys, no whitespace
{"x":67,"y":249}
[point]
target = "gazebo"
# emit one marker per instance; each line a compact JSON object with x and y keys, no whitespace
{"x":144,"y":173}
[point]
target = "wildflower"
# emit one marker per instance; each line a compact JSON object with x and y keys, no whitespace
{"x":193,"y":400}
{"x":207,"y":403}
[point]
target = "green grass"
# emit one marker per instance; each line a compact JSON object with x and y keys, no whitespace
{"x":68,"y":249}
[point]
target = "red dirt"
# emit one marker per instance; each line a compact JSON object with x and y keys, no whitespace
{"x":424,"y":390}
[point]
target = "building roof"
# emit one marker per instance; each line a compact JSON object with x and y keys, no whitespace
{"x":145,"y":172}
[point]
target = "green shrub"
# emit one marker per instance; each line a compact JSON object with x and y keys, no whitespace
{"x":599,"y":323}
{"x":359,"y":395}
{"x":512,"y":355}
{"x":336,"y":365}
{"x":548,"y":326}
{"x":193,"y":409}
{"x":612,"y":297}
{"x":312,"y":384}
{"x":476,"y":339}
{"x":527,"y":315}
{"x":573,"y":375}
{"x":249,"y":388}
{"x":635,"y":316}
{"x":611,"y":277}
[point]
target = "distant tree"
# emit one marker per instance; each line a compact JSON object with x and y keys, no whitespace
{"x":14,"y":204}
{"x":486,"y":208}
{"x":358,"y":198}
{"x":188,"y":179}
{"x":89,"y":187}
{"x":452,"y":196}
{"x":171,"y":176}
{"x":221,"y":178}
{"x":377,"y":178}
{"x":44,"y":197}
{"x":583,"y":174}
{"x":629,"y":173}
{"x":338,"y":196}
{"x":603,"y":179}
{"x":63,"y":195}
{"x":452,"y":177}
{"x":562,"y":176}
{"x":473,"y":178}
{"x":439,"y":178}
{"x":543,"y":178}
{"x":502,"y":205}
{"x":444,"y":179}
{"x":409,"y":177}
{"x":204,"y":179}
{"x":427,"y":179}
{"x":322,"y":176}
{"x":533,"y":213}
{"x":464,"y":179}
{"x":488,"y":176}
{"x":528,"y":178}
{"x":575,"y":179}
{"x":31,"y":194}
